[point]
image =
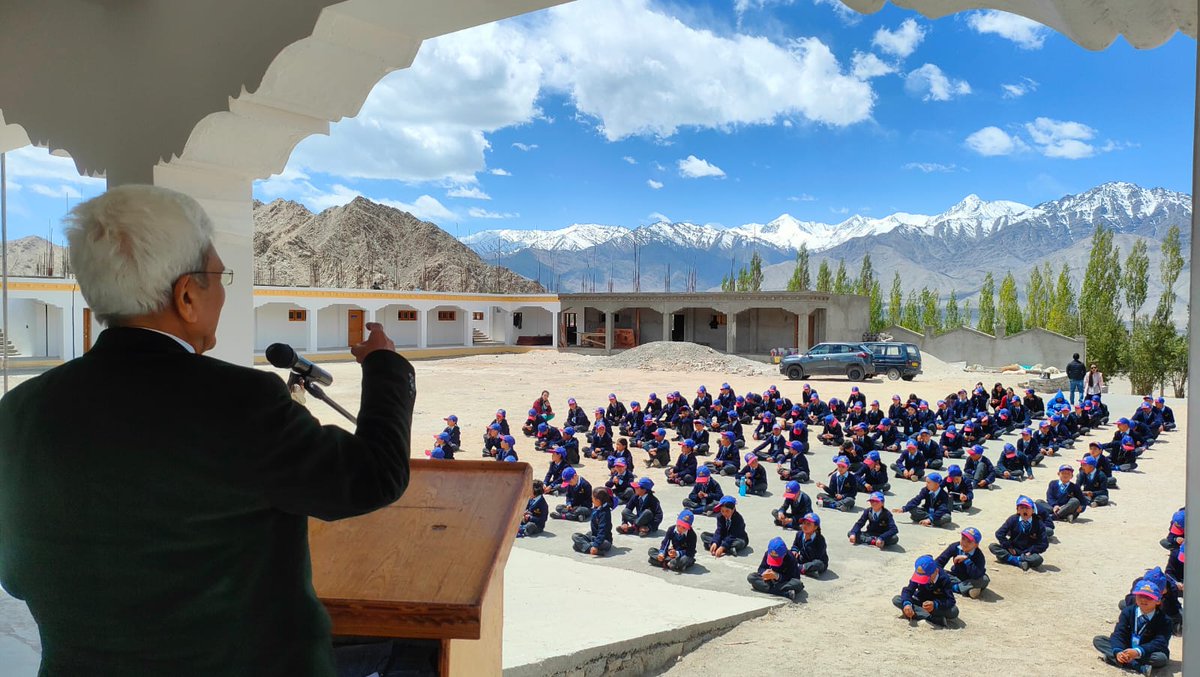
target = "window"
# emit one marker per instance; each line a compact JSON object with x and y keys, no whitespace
{"x":446,"y":315}
{"x":570,"y":320}
{"x":477,"y":316}
{"x":891,"y":351}
{"x":406,"y":315}
{"x":297,"y":315}
{"x":819,"y":350}
{"x":720,"y":319}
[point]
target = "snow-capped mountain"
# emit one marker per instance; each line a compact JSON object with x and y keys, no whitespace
{"x":970,"y":237}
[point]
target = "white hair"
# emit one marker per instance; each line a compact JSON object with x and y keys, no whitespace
{"x":129,"y":246}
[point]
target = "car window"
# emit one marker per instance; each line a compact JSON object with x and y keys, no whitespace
{"x":822,"y":349}
{"x":892,"y":351}
{"x":843,"y":349}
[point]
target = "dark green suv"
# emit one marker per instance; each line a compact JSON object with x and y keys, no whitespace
{"x":897,"y":360}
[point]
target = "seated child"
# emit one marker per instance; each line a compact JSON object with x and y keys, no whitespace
{"x":658,"y":450}
{"x":842,"y":488}
{"x":1022,"y":539}
{"x":578,"y":492}
{"x":967,"y":574}
{"x":571,"y":445}
{"x":643,"y":513}
{"x":875,"y":526}
{"x":491,"y":441}
{"x":601,"y":442}
{"x":1064,"y":499}
{"x":599,"y":540}
{"x":979,"y":468}
{"x":794,"y":467}
{"x":1092,"y":483}
{"x":873,"y":476}
{"x":778,"y":573}
{"x":730,"y":534}
{"x":911,"y":464}
{"x":683,"y":472}
{"x":796,"y":504}
{"x":1176,"y":533}
{"x":677,"y":551}
{"x":727,"y":460}
{"x":1141,"y":638}
{"x":1013,"y":465}
{"x":705,"y":493}
{"x":536,"y":512}
{"x":553,"y":481}
{"x":809,"y":547}
{"x":621,"y":480}
{"x":962,"y":494}
{"x":931,"y":505}
{"x":454,"y":432}
{"x":928,"y":596}
{"x":753,"y":476}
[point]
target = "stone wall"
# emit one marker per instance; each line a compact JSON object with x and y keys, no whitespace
{"x":1030,"y":347}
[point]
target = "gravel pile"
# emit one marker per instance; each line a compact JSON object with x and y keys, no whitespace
{"x":674,"y":356}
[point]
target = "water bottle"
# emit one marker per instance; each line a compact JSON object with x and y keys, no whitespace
{"x":742,"y":486}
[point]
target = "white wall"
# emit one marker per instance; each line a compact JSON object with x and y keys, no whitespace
{"x":331,"y":327}
{"x":271,"y":325}
{"x":406,"y":333}
{"x":446,"y":333}
{"x":535,"y":322}
{"x":26,"y":327}
{"x":698,"y":331}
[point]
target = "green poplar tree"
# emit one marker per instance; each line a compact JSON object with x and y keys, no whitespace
{"x":877,"y":321}
{"x":800,"y":280}
{"x":1010,"y":307}
{"x":952,"y":320}
{"x":987,"y":306}
{"x":824,"y":278}
{"x":895,"y":301}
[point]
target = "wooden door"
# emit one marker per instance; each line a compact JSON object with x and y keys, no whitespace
{"x":812,"y":330}
{"x":354,"y":329}
{"x":87,"y":329}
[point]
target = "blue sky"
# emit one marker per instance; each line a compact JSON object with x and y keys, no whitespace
{"x":727,"y":112}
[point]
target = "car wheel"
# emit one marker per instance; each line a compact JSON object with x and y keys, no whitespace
{"x":893,"y":374}
{"x":795,"y":373}
{"x":854,"y":373}
{"x":909,"y":378}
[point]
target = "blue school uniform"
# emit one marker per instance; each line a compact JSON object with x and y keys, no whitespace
{"x":935,"y":503}
{"x":810,"y":549}
{"x":1028,"y":539}
{"x":538,"y":511}
{"x":971,"y":568}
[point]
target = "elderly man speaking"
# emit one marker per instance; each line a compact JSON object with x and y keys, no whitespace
{"x":153,"y":501}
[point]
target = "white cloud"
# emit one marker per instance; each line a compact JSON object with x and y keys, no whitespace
{"x":426,"y":208}
{"x":901,"y":42}
{"x":931,"y":84}
{"x":1062,"y":139}
{"x":477,"y":213}
{"x":1026,"y":33}
{"x":47,"y":175}
{"x":526,"y":147}
{"x":991,"y":141}
{"x":630,"y":160}
{"x":840,"y":210}
{"x":658,"y":217}
{"x":658,"y":165}
{"x":468,"y":192}
{"x":296,"y":185}
{"x":931,"y":167}
{"x":638,"y":71}
{"x":654,"y":184}
{"x":694,"y":168}
{"x":1017,"y":90}
{"x":866,"y":65}
{"x":62,"y":191}
{"x":803,"y":197}
{"x":847,"y":15}
{"x":787,"y":124}
{"x":496,"y":171}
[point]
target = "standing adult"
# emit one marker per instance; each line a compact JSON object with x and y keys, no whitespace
{"x":154,"y":502}
{"x":1093,"y":385}
{"x":1075,"y":373}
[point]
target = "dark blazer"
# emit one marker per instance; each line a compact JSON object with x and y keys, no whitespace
{"x":1156,"y":635}
{"x":154,"y":507}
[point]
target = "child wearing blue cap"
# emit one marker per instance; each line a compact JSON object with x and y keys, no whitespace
{"x":796,"y":504}
{"x":967,"y":574}
{"x":643,"y":513}
{"x":794,"y":466}
{"x":633,"y":421}
{"x":979,"y":469}
{"x":615,"y":411}
{"x":576,"y":417}
{"x":683,"y":472}
{"x":1176,"y":533}
{"x":1169,"y":591}
{"x":809,"y":547}
{"x":620,"y":481}
{"x":435,"y":454}
{"x":677,"y":551}
{"x":753,"y":476}
{"x":1165,"y":415}
{"x":1175,"y":562}
{"x":578,"y":492}
{"x":558,"y":463}
{"x":1064,"y":500}
{"x":931,"y":506}
{"x":728,"y":459}
{"x":873,"y":474}
{"x":621,"y":450}
{"x":875,"y":526}
{"x":1029,"y":446}
{"x":570,"y":444}
{"x":547,"y":437}
{"x":730,"y":534}
{"x":600,"y":441}
{"x":536,"y":512}
{"x":930,"y":449}
{"x":842,"y":488}
{"x":705,"y":493}
{"x":501,"y":421}
{"x":533,"y":421}
{"x":599,"y":539}
{"x":492,"y":438}
{"x":772,"y":445}
{"x":441,"y":443}
{"x":928,"y":596}
{"x":454,"y":434}
{"x":832,"y":434}
{"x":658,"y":450}
{"x":961,"y":492}
{"x":507,"y":447}
{"x":1092,"y":483}
{"x":911,"y":464}
{"x":1022,"y":539}
{"x":778,"y":573}
{"x":1140,"y":640}
{"x":1013,"y":465}
{"x":888,"y":436}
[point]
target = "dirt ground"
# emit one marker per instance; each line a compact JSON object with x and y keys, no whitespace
{"x":1039,"y":622}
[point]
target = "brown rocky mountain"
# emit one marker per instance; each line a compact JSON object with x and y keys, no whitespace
{"x":35,"y":256}
{"x":364,"y":244}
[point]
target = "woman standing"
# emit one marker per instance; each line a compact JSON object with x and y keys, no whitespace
{"x":1093,"y":383}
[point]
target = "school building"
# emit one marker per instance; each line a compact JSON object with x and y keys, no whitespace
{"x":49,"y":320}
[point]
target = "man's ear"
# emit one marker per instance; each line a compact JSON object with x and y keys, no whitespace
{"x":182,"y":297}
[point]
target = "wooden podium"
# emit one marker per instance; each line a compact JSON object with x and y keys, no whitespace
{"x":431,"y":565}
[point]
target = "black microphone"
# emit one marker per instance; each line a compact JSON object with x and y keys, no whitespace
{"x":283,"y":356}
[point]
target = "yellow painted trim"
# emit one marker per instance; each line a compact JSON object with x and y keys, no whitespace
{"x":426,"y":354}
{"x":26,"y":363}
{"x":416,"y":296}
{"x":41,"y":286}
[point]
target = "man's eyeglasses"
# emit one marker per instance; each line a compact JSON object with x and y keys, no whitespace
{"x":226,"y":275}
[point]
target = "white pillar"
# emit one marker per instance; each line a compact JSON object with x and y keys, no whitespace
{"x":69,"y":326}
{"x":667,"y":324}
{"x":422,"y":328}
{"x":468,"y":323}
{"x":608,"y":333}
{"x":554,"y":329}
{"x":731,"y":330}
{"x":227,"y":201}
{"x":313,"y":315}
{"x":1191,"y":596}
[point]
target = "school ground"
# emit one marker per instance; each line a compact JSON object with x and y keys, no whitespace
{"x":565,"y":611}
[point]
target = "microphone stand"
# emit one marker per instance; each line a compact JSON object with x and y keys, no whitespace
{"x":315,"y":390}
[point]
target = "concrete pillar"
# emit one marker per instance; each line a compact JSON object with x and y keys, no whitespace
{"x":731,"y":329}
{"x":555,"y":329}
{"x":423,"y":328}
{"x":313,"y":315}
{"x":468,"y":341}
{"x":608,"y":333}
{"x":667,"y":323}
{"x":67,"y":338}
{"x":1191,"y":596}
